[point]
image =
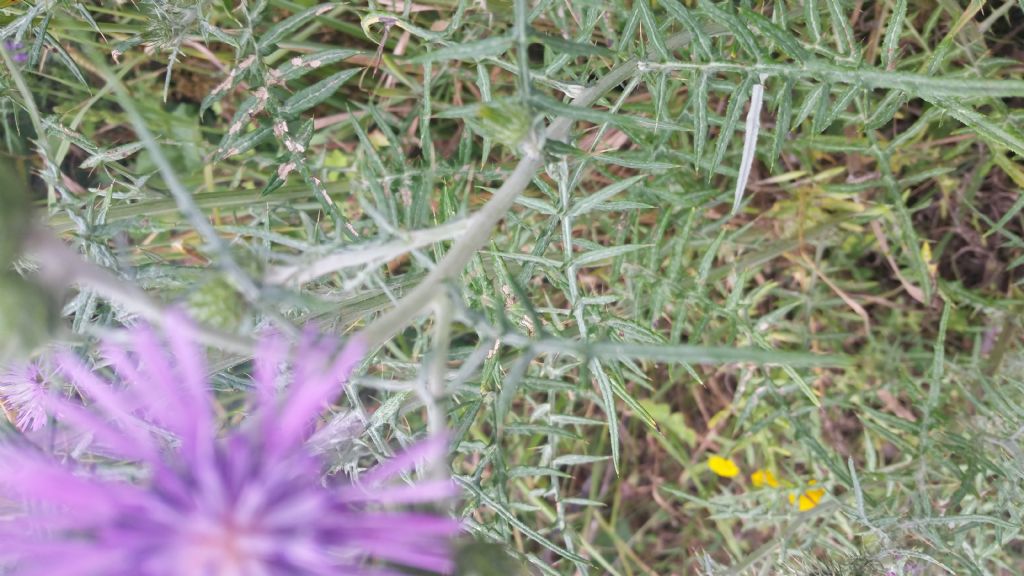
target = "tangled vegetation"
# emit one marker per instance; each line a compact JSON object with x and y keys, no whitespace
{"x":695,"y":287}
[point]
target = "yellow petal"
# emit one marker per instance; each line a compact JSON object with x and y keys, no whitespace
{"x":808,"y":499}
{"x":724,"y":467}
{"x":764,"y":477}
{"x":926,"y":256}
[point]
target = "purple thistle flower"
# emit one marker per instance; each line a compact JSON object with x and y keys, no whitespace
{"x":16,"y":52}
{"x":23,"y":393}
{"x":249,"y":502}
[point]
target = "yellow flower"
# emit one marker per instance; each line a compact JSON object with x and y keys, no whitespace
{"x":724,"y":467}
{"x":809,"y":499}
{"x":764,"y":477}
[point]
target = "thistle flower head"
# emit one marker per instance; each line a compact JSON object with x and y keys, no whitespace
{"x":251,"y":501}
{"x":22,"y":393}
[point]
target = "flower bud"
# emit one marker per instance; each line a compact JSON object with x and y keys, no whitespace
{"x":504,"y":121}
{"x":28,"y":317}
{"x":216,"y":303}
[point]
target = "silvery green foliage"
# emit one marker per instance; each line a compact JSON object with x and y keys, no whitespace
{"x":612,"y":269}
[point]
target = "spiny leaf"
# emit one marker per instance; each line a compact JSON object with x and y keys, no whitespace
{"x":626,"y":121}
{"x":512,"y":519}
{"x":652,"y":29}
{"x":784,"y":39}
{"x":892,"y":34}
{"x":112,"y":154}
{"x":749,"y":144}
{"x":811,"y":102}
{"x":635,"y":161}
{"x":708,"y":260}
{"x":562,"y":46}
{"x":245,"y":142}
{"x":539,"y":429}
{"x":885,"y":110}
{"x":577,"y":460}
{"x":289,"y":25}
{"x":601,"y":254}
{"x":229,"y":83}
{"x":301,"y":65}
{"x":841,"y":25}
{"x":739,"y":29}
{"x":53,"y":127}
{"x":634,"y":405}
{"x":57,"y":48}
{"x":732,"y":118}
{"x":685,"y":354}
{"x":590,"y":202}
{"x":689,"y":21}
{"x":783,"y":115}
{"x":1003,"y":134}
{"x":917,"y":129}
{"x":486,"y":48}
{"x":918,"y":84}
{"x":311,"y":96}
{"x":245,"y":112}
{"x":660,"y":96}
{"x":842,"y":103}
{"x":629,"y":30}
{"x":812,"y":15}
{"x":819,"y":118}
{"x":604,"y":385}
{"x":700,"y":104}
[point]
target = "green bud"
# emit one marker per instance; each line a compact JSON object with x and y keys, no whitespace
{"x":505,"y":121}
{"x":249,"y":261}
{"x":15,"y":214}
{"x":216,"y":303}
{"x":28,"y":317}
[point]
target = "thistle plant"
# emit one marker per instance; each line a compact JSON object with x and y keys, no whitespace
{"x":690,"y":284}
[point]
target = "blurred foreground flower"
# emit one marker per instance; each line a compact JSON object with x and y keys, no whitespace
{"x":249,"y":502}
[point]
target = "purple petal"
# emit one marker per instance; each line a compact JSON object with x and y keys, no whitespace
{"x":68,"y":559}
{"x":31,"y":477}
{"x":432,"y":448}
{"x":114,"y":404}
{"x":131,"y":446}
{"x":400,"y":526}
{"x":191,"y":364}
{"x":436,"y":560}
{"x":316,"y":384}
{"x":153,"y":383}
{"x":409,"y":494}
{"x":270,"y":354}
